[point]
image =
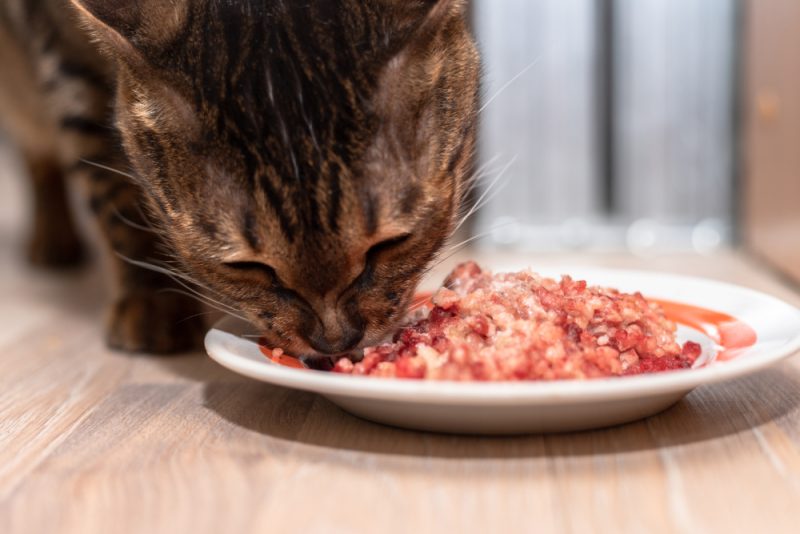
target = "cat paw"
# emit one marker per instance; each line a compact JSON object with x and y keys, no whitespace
{"x":156,"y":322}
{"x":56,"y":250}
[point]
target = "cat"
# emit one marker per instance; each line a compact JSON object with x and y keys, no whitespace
{"x":299,"y":163}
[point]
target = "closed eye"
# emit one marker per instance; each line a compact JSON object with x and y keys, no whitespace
{"x":387,"y":244}
{"x":253,"y":267}
{"x":267,"y":273}
{"x":365,"y":278}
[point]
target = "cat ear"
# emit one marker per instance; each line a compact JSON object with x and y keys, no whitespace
{"x":439,"y":9}
{"x":425,"y":16}
{"x":132,"y":27}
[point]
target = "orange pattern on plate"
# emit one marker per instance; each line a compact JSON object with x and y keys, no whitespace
{"x":280,"y":357}
{"x":727,"y":331}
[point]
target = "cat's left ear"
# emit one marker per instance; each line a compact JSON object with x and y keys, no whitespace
{"x":131,"y":28}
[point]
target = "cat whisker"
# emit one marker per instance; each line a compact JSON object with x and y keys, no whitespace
{"x":178,"y":279}
{"x":480,"y":173}
{"x":133,"y":224}
{"x":211,"y":301}
{"x":149,"y":220}
{"x":485,"y":171}
{"x":478,"y":203}
{"x":175,"y":271}
{"x":196,"y":315}
{"x":205,"y":296}
{"x":202,"y":301}
{"x":107,"y":168}
{"x":455,"y":249}
{"x":116,"y":212}
{"x":474,"y":238}
{"x":465,"y":209}
{"x":509,"y":83}
{"x":203,"y":314}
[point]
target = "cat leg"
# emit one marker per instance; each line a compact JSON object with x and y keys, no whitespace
{"x":56,"y":99}
{"x":152,"y":312}
{"x":54,"y":241}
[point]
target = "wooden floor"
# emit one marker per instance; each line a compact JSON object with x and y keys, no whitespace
{"x":93,"y":441}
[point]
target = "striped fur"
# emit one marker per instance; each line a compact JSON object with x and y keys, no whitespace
{"x":304,"y":161}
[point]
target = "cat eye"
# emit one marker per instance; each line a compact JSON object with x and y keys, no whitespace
{"x":253,"y":267}
{"x":387,"y":244}
{"x":267,"y":272}
{"x":364,"y":278}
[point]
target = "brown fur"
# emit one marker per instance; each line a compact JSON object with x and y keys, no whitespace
{"x":303,"y":162}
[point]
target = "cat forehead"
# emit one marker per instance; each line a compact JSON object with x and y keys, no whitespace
{"x":289,"y":94}
{"x":254,"y":69}
{"x":143,"y":22}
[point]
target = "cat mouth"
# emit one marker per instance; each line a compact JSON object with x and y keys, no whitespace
{"x":299,"y":347}
{"x":322,"y":362}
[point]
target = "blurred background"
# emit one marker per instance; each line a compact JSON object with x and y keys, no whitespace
{"x":646,"y":126}
{"x":615,"y":122}
{"x":649,"y":125}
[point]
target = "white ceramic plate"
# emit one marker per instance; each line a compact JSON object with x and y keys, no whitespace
{"x":528,"y":407}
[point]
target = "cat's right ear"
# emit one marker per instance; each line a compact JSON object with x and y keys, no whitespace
{"x":132,"y":28}
{"x":434,"y":10}
{"x":441,"y":8}
{"x":425,"y":16}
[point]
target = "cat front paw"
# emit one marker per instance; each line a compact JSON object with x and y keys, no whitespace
{"x":156,"y":322}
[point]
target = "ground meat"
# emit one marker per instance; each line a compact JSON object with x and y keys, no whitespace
{"x":521,"y":326}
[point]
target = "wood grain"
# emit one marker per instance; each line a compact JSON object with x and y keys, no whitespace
{"x":92,"y":441}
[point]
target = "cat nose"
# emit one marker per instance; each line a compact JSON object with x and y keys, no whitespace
{"x":345,"y":341}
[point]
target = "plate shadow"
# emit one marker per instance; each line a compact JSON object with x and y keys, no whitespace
{"x":708,"y":413}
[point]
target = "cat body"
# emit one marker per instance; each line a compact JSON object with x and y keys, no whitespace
{"x":301,"y":163}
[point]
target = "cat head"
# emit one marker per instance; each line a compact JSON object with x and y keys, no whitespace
{"x":306,"y":160}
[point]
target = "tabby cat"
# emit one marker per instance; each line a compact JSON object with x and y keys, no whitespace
{"x":299,"y":162}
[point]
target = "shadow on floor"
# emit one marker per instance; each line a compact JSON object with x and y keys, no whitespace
{"x":708,"y":413}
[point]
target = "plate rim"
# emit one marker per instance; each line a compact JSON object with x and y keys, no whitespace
{"x":505,"y":393}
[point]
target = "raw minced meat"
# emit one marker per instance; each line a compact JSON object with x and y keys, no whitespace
{"x":521,"y":326}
